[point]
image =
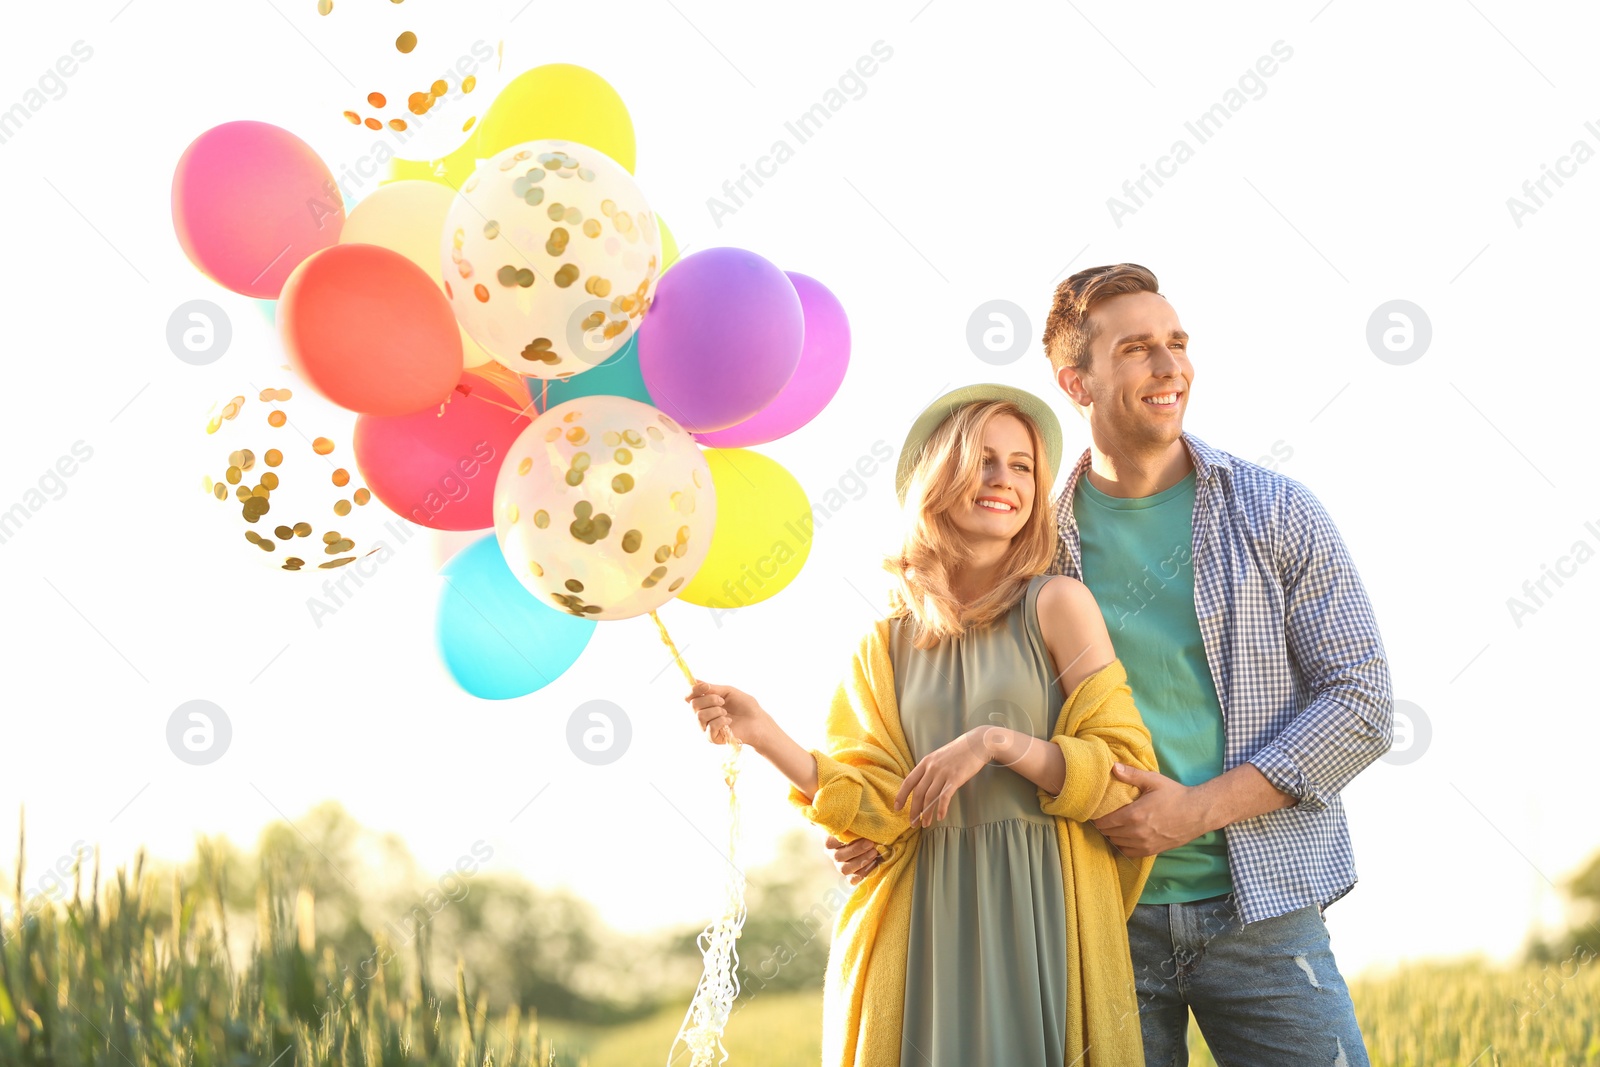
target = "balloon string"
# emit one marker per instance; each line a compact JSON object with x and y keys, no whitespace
{"x":496,"y":403}
{"x":688,"y":675}
{"x":712,"y":1005}
{"x":666,"y":639}
{"x":511,"y":385}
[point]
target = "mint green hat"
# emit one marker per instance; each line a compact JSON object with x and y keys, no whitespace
{"x":935,"y":414}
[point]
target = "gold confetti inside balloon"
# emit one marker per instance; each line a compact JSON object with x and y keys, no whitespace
{"x":550,"y":256}
{"x":604,"y":507}
{"x":420,"y":74}
{"x":279,"y":463}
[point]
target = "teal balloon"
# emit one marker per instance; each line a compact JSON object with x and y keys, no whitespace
{"x":617,"y":376}
{"x":269,"y":308}
{"x":496,"y":639}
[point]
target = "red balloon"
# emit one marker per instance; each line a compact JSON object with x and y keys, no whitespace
{"x":370,"y":330}
{"x":250,"y":201}
{"x":438,"y":468}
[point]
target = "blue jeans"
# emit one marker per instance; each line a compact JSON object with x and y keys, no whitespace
{"x":1264,"y":995}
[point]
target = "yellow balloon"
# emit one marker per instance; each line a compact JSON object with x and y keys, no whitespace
{"x":451,"y":171}
{"x":408,"y":217}
{"x":669,"y":247}
{"x":558,"y":101}
{"x":763,"y":531}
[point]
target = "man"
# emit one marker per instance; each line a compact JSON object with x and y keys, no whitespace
{"x":1254,"y":658}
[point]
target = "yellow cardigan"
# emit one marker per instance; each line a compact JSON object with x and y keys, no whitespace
{"x":857,"y":778}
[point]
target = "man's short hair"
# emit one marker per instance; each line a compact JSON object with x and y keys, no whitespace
{"x":1069,"y":327}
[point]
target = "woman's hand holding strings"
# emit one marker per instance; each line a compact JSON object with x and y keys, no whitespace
{"x":726,"y":713}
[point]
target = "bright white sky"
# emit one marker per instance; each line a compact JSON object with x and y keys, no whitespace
{"x":976,"y":166}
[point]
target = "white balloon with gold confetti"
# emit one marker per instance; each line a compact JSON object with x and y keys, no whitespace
{"x":604,"y":507}
{"x":419,"y":73}
{"x":279,"y":462}
{"x":550,"y":256}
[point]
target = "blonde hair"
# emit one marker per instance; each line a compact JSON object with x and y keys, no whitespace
{"x":945,"y":471}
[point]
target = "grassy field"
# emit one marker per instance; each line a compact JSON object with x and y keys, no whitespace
{"x":111,"y":980}
{"x":773,"y":1030}
{"x":1439,"y":1015}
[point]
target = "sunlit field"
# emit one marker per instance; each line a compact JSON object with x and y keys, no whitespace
{"x":110,"y":978}
{"x":1438,"y":1015}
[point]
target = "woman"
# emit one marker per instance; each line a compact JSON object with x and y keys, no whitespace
{"x":973,"y":743}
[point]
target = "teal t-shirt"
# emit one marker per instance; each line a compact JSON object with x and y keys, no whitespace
{"x":1138,"y":563}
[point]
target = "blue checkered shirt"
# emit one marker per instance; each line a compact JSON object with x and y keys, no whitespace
{"x":1298,"y":665}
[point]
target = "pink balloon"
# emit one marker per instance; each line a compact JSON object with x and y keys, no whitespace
{"x":824,"y":355}
{"x":250,"y":200}
{"x":436,"y":468}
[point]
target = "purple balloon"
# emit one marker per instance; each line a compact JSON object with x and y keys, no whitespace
{"x":823,"y":359}
{"x":721,"y":339}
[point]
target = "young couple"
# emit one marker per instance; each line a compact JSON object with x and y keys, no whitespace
{"x":1086,"y":774}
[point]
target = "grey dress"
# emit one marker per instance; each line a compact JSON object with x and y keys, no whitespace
{"x":986,"y":961}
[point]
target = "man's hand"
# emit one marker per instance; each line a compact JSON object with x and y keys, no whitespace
{"x":855,"y":860}
{"x":934,"y":780}
{"x":1166,"y":814}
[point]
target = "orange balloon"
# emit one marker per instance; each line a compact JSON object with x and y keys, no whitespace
{"x":370,"y":330}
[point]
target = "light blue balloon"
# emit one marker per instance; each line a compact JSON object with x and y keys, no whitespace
{"x":617,"y":376}
{"x":269,"y":308}
{"x":495,"y":637}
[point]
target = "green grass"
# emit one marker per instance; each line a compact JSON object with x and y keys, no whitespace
{"x":1452,"y":1014}
{"x":1432,"y":1015}
{"x":771,"y":1029}
{"x":136,"y":977}
{"x":125,"y":984}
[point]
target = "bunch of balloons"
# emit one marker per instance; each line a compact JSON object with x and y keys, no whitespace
{"x":499,"y":321}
